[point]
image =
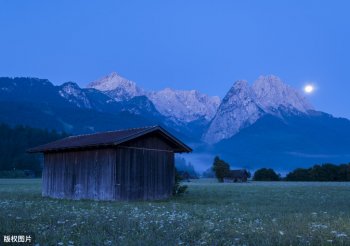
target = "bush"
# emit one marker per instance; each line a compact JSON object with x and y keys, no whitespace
{"x":178,"y":188}
{"x":266,"y":174}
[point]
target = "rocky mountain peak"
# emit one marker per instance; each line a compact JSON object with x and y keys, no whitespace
{"x":238,"y":109}
{"x":180,"y":106}
{"x":243,"y":105}
{"x":117,"y":87}
{"x":71,"y":85}
{"x":239,"y":90}
{"x":74,"y":94}
{"x":185,"y":106}
{"x":274,"y":94}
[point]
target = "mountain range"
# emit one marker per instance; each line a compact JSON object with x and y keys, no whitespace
{"x":180,"y":106}
{"x":266,"y":124}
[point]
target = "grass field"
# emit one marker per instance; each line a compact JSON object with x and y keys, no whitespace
{"x":257,"y":213}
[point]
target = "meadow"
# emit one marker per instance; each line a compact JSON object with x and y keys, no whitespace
{"x":253,"y":213}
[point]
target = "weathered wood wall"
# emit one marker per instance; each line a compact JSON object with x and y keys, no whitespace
{"x":144,"y":174}
{"x":142,"y":169}
{"x":145,"y":169}
{"x":86,"y":174}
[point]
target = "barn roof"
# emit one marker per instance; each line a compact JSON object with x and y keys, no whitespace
{"x":110,"y":138}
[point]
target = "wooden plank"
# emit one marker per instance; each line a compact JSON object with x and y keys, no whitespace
{"x":138,"y":172}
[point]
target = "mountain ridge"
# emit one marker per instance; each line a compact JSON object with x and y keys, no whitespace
{"x":246,"y":130}
{"x":180,"y":105}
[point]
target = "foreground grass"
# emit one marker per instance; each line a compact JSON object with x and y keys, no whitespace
{"x":257,"y":213}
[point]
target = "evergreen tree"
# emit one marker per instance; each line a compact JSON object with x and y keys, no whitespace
{"x":15,"y":141}
{"x":220,"y":168}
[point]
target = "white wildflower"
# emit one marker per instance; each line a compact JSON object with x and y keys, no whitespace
{"x":108,"y":242}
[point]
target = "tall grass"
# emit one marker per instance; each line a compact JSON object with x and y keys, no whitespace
{"x":257,"y":213}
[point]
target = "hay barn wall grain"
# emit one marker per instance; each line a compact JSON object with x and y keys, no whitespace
{"x":141,"y":169}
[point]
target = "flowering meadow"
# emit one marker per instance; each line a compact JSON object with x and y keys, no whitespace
{"x":253,"y":213}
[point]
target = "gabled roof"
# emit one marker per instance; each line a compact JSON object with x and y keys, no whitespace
{"x":110,"y":138}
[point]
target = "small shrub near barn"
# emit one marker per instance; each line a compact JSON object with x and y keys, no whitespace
{"x":178,"y":188}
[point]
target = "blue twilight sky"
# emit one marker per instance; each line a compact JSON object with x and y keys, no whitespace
{"x":197,"y":44}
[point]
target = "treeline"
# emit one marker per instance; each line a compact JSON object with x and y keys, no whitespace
{"x":14,"y":141}
{"x":325,"y":172}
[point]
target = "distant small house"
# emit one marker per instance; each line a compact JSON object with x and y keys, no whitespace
{"x":131,"y":164}
{"x":237,"y":176}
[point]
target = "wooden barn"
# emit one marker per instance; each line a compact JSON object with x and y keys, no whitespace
{"x":131,"y":164}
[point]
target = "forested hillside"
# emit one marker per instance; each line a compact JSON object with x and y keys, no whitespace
{"x":13,"y":144}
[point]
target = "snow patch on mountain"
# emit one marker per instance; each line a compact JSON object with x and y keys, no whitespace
{"x":117,"y":87}
{"x":179,"y":106}
{"x":185,"y":106}
{"x":74,"y":94}
{"x":243,"y":105}
{"x":272,"y":93}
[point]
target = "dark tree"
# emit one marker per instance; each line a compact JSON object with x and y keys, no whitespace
{"x":266,"y":174}
{"x":299,"y":174}
{"x":14,"y":142}
{"x":325,"y":172}
{"x":249,"y":175}
{"x":344,"y":172}
{"x":220,"y":168}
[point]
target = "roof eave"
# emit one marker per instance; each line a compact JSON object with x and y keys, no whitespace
{"x":182,"y":149}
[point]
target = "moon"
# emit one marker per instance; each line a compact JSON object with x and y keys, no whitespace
{"x":309,"y":89}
